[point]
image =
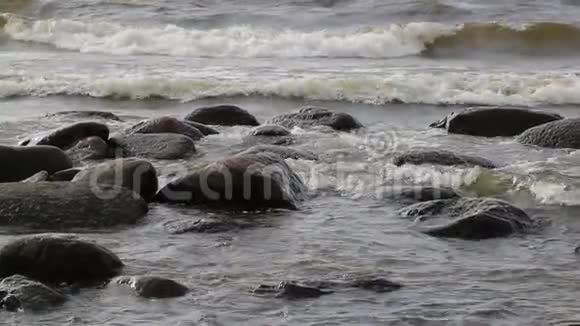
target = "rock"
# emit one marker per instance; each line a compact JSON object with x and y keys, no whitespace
{"x":66,"y":137}
{"x":134,"y":174}
{"x":23,"y":293}
{"x":244,"y":181}
{"x":291,"y":291}
{"x":378,"y":285}
{"x":557,"y":134}
{"x":19,"y":163}
{"x":494,"y":122}
{"x":284,"y":152}
{"x":39,"y":177}
{"x":62,"y":205}
{"x":164,"y":125}
{"x":86,"y":115}
{"x":210,"y":225}
{"x":470,"y":218}
{"x":152,"y":146}
{"x":308,"y":117}
{"x":420,"y":193}
{"x":58,"y":259}
{"x":440,"y":157}
{"x":223,"y":115}
{"x":205,"y":130}
{"x":270,"y":131}
{"x":92,"y":148}
{"x":153,"y":286}
{"x":64,"y":175}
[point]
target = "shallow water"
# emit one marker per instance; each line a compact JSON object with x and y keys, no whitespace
{"x":396,"y":66}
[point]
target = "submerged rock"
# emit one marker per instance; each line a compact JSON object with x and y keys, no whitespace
{"x":205,"y":130}
{"x":165,"y":125}
{"x":494,"y":122}
{"x":68,"y":136}
{"x":134,"y":174}
{"x":291,"y":291}
{"x":284,"y":152}
{"x":419,"y":193}
{"x":18,"y":292}
{"x":62,"y":205}
{"x":440,"y":157}
{"x":309,"y":117}
{"x":64,"y":175}
{"x":92,"y":148}
{"x":558,"y":134}
{"x":209,"y":225}
{"x":244,"y":181}
{"x":39,"y":177}
{"x":58,"y":259}
{"x":86,"y":114}
{"x":153,"y":146}
{"x":470,"y":218}
{"x":153,"y":286}
{"x":270,"y":131}
{"x":19,"y":163}
{"x":223,"y":115}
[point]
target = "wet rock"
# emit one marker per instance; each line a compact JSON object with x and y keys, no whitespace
{"x":18,"y":292}
{"x":152,"y":146}
{"x":134,"y":174}
{"x":153,"y":286}
{"x":62,"y":205}
{"x":165,"y":125}
{"x":64,"y":175}
{"x":440,"y":157}
{"x":270,"y":131}
{"x":39,"y":177}
{"x":379,"y":285}
{"x":309,"y":117}
{"x":494,"y":122}
{"x":284,"y":152}
{"x":223,"y":115}
{"x":86,"y":115}
{"x":205,"y":130}
{"x":270,"y":135}
{"x":92,"y":148}
{"x":291,"y":291}
{"x":206,"y":225}
{"x":469,"y":218}
{"x":58,"y":259}
{"x":19,"y":163}
{"x":68,"y":136}
{"x":244,"y":181}
{"x":558,"y":134}
{"x":420,"y":193}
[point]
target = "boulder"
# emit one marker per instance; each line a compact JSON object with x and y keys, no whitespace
{"x":494,"y":122}
{"x":58,"y":259}
{"x":309,"y":117}
{"x":153,"y":286}
{"x":205,"y":130}
{"x":469,"y":218}
{"x":134,"y":174}
{"x":223,"y":115}
{"x":284,"y":152}
{"x":557,"y":134}
{"x":440,"y":157}
{"x":62,"y":205}
{"x":270,"y":131}
{"x":152,"y":146}
{"x":419,"y":193}
{"x":244,"y":181}
{"x":68,"y":136}
{"x":92,"y":148}
{"x":64,"y":175}
{"x":165,"y":125}
{"x":19,"y":163}
{"x":39,"y":177}
{"x":18,"y":292}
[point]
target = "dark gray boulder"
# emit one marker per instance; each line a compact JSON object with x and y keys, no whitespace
{"x":18,"y":163}
{"x":58,"y":259}
{"x":92,"y":148}
{"x":419,"y":193}
{"x":62,"y":205}
{"x":469,"y":218}
{"x":270,"y":135}
{"x":165,"y":125}
{"x":18,"y":292}
{"x":64,"y":175}
{"x":205,"y":130}
{"x":270,"y":131}
{"x":152,"y":146}
{"x":134,"y":174}
{"x":68,"y":136}
{"x":153,"y":286}
{"x":557,"y":134}
{"x":494,"y":122}
{"x":291,"y":291}
{"x":284,"y":152}
{"x":244,"y":181}
{"x":223,"y":115}
{"x":309,"y":117}
{"x":440,"y":157}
